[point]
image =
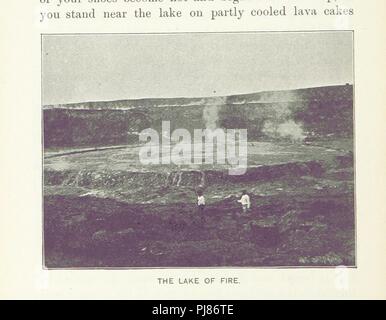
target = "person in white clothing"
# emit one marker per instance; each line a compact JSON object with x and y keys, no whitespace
{"x":245,"y":201}
{"x":200,"y":200}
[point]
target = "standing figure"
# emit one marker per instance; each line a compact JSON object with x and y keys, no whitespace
{"x":200,"y":201}
{"x":245,"y":201}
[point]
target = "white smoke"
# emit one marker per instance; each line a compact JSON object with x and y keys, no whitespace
{"x":280,"y":124}
{"x":277,"y":97}
{"x":281,"y":111}
{"x":292,"y":130}
{"x":288,"y":130}
{"x":210,"y":112}
{"x":210,"y":115}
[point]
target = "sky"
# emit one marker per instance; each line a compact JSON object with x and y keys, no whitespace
{"x":105,"y":67}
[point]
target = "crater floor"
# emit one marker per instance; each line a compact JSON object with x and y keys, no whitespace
{"x":103,"y":209}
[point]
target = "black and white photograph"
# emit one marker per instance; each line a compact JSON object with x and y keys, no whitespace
{"x":198,"y":150}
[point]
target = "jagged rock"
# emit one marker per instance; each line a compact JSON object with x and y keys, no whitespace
{"x":108,"y":238}
{"x":74,"y":219}
{"x":345,"y":174}
{"x":126,"y":232}
{"x":101,"y":235}
{"x":346,"y":160}
{"x":264,"y":233}
{"x":330,"y":259}
{"x":289,"y":221}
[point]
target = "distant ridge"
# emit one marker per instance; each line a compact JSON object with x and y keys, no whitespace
{"x":313,"y":93}
{"x":314,"y":113}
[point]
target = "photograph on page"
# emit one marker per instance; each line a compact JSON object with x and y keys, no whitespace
{"x":198,"y":150}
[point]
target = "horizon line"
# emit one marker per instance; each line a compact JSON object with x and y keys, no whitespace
{"x":198,"y":97}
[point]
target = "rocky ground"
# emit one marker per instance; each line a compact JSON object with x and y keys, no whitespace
{"x":303,"y":216}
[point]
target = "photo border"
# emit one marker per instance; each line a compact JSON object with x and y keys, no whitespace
{"x":355,"y":266}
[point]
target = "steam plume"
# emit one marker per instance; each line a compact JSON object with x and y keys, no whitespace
{"x":281,"y":124}
{"x":210,"y":112}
